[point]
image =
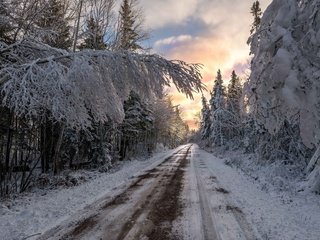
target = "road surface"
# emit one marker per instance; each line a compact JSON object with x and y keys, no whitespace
{"x":178,"y":199}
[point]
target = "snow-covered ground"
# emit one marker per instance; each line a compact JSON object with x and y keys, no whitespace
{"x":35,"y":212}
{"x":220,"y":201}
{"x":276,"y":211}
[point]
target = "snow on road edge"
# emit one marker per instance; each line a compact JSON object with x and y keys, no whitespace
{"x":276,"y":217}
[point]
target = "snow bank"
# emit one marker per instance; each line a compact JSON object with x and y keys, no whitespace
{"x":279,"y":215}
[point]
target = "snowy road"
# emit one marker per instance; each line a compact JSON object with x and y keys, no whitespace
{"x":191,"y":195}
{"x":178,"y":199}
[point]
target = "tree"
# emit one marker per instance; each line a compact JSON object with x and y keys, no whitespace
{"x":136,"y":127}
{"x":218,"y":93}
{"x":53,"y":24}
{"x":98,"y":24}
{"x":219,"y":115}
{"x":234,"y":95}
{"x":257,"y":13}
{"x":94,"y":36}
{"x":233,"y":101}
{"x":205,"y":119}
{"x":130,"y":32}
{"x":40,"y":84}
{"x":284,"y":82}
{"x":5,"y":24}
{"x":178,"y":128}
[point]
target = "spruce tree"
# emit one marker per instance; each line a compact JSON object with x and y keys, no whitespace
{"x":234,"y":94}
{"x":54,"y":25}
{"x":128,"y":34}
{"x":5,"y":27}
{"x":233,"y":100}
{"x":219,"y":114}
{"x":93,"y":36}
{"x":205,"y":119}
{"x":137,"y":124}
{"x":218,"y":93}
{"x":256,"y":12}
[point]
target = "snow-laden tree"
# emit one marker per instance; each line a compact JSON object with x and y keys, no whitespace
{"x":76,"y":88}
{"x":220,"y":117}
{"x":136,"y":127}
{"x":285,"y":79}
{"x":5,"y":26}
{"x":234,"y":95}
{"x":233,"y":105}
{"x":256,"y":12}
{"x":53,"y":24}
{"x":178,"y":130}
{"x":98,"y":24}
{"x":205,"y":126}
{"x":169,"y":129}
{"x":93,"y":37}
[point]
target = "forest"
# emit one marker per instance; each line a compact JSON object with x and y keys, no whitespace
{"x":96,"y":136}
{"x":274,"y":113}
{"x":78,"y":90}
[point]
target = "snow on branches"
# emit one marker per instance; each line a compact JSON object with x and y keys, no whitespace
{"x":285,"y":78}
{"x":77,"y":88}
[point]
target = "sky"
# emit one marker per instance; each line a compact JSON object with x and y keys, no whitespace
{"x":211,"y":32}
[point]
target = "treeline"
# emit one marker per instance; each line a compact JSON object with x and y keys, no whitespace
{"x":77,"y":89}
{"x":276,"y":112}
{"x":228,"y":120}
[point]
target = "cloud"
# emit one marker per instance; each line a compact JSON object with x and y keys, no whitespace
{"x":210,"y":32}
{"x":172,"y":41}
{"x":167,"y":12}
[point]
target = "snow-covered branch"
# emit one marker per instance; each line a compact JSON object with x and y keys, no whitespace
{"x":76,"y":88}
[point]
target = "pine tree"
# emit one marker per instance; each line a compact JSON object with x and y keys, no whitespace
{"x":219,"y":114}
{"x":234,"y":94}
{"x":137,"y":124}
{"x":93,"y":36}
{"x":233,"y":100}
{"x":54,"y":25}
{"x":218,"y":93}
{"x":205,"y":119}
{"x":128,"y":30}
{"x":5,"y":27}
{"x":256,"y":12}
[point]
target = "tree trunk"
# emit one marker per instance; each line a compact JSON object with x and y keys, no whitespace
{"x":57,"y":149}
{"x":313,"y":171}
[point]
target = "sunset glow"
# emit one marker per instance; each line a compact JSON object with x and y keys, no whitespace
{"x":213,"y":33}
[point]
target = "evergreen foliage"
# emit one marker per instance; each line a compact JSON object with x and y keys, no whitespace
{"x":219,"y":114}
{"x":94,"y":36}
{"x":234,"y":95}
{"x":5,"y":23}
{"x":205,"y":119}
{"x":218,"y":93}
{"x":137,"y":125}
{"x":257,"y":13}
{"x":53,"y":24}
{"x":129,"y":35}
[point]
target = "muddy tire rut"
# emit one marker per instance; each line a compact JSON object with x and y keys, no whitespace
{"x":145,"y":210}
